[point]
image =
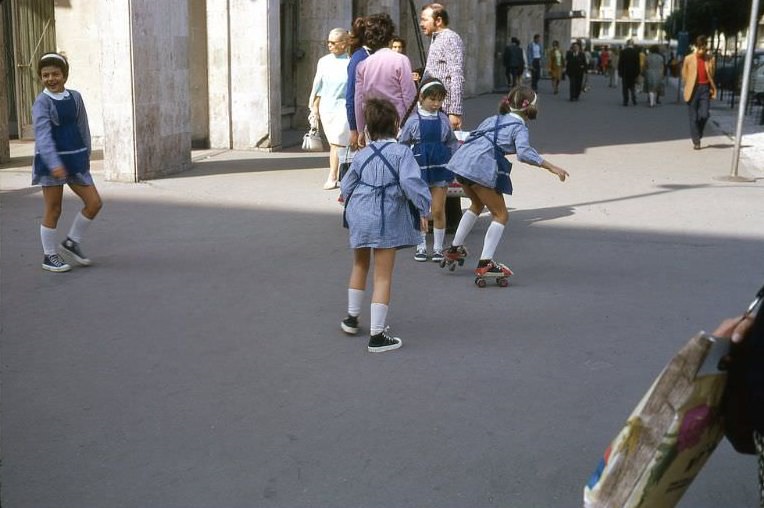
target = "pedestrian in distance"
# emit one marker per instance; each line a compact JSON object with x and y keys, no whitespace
{"x":428,"y":132}
{"x":535,"y":52}
{"x":484,"y":172}
{"x":628,"y":70}
{"x":575,"y":68}
{"x":699,"y":88}
{"x":556,"y":64}
{"x":62,"y":157}
{"x":655,"y":67}
{"x":327,"y":100}
{"x":514,"y":62}
{"x":386,"y":205}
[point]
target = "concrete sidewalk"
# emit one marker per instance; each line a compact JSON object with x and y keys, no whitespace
{"x":199,"y":362}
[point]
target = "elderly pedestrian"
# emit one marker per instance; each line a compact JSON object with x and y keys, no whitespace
{"x":327,"y":99}
{"x":628,"y":70}
{"x":445,"y":59}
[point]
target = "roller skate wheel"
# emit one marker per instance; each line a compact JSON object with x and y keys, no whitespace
{"x":442,"y":263}
{"x":452,"y":267}
{"x":480,"y":282}
{"x":502,"y":282}
{"x":461,"y":262}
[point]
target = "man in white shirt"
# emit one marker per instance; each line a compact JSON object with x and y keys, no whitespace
{"x":534,"y":57}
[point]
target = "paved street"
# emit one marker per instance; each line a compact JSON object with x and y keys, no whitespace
{"x":199,"y":362}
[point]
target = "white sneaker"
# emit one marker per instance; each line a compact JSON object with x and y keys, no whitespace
{"x":421,"y":254}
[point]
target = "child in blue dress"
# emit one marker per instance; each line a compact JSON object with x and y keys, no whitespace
{"x":62,"y":156}
{"x":483,"y":170}
{"x":432,"y":139}
{"x":386,"y":204}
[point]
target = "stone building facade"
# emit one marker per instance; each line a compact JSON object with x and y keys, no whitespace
{"x":160,"y":78}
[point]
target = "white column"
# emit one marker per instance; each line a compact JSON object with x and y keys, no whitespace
{"x":147,"y":126}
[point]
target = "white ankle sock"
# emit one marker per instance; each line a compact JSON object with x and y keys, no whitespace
{"x":438,"y":235}
{"x":378,"y":318}
{"x":422,"y":241}
{"x":491,"y":241}
{"x":79,"y":226}
{"x":465,"y":226}
{"x":355,"y":299}
{"x":48,"y":238}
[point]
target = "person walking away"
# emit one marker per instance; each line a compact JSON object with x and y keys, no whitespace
{"x":654,"y":69}
{"x":445,"y":59}
{"x":327,"y":100}
{"x":62,"y":156}
{"x":604,"y":61}
{"x":575,"y":68}
{"x":358,"y":53}
{"x":535,"y":52}
{"x":555,"y":62}
{"x":628,"y":70}
{"x":385,"y":74}
{"x":428,"y":132}
{"x":514,"y":62}
{"x":484,"y":172}
{"x":383,"y":183}
{"x":699,"y":88}
{"x":612,"y":79}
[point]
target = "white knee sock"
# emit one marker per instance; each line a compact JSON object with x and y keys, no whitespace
{"x":355,"y":299}
{"x":492,"y":239}
{"x":378,"y":318}
{"x":465,"y":226}
{"x":79,"y":226}
{"x":48,"y":238}
{"x":422,"y":241}
{"x":438,"y":235}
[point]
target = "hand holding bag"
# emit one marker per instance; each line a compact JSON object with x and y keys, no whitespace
{"x":311,"y":141}
{"x":736,"y":404}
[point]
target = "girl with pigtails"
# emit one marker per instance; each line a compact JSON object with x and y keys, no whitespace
{"x":483,"y":170}
{"x":428,"y":131}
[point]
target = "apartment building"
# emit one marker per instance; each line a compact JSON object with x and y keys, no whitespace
{"x":616,"y":21}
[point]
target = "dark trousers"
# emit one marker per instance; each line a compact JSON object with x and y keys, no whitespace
{"x":535,"y":73}
{"x":513,"y":76}
{"x":576,"y":82}
{"x":629,"y":85}
{"x":699,"y":109}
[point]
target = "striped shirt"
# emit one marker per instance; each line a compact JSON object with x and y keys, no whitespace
{"x":445,"y":61}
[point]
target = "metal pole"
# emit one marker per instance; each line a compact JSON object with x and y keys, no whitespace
{"x":744,"y":93}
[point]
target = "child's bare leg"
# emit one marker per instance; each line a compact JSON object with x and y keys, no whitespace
{"x":360,"y":270}
{"x":90,"y":198}
{"x":498,"y":208}
{"x":52,"y":197}
{"x":438,"y":207}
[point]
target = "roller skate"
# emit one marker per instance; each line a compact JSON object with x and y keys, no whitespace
{"x":488,"y":268}
{"x":453,"y":256}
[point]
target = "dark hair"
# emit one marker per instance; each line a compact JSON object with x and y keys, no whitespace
{"x":53,"y":59}
{"x":515,"y":40}
{"x":701,"y":41}
{"x":438,"y":11}
{"x":381,"y":118}
{"x":436,"y":89}
{"x":357,"y":31}
{"x":520,"y":97}
{"x":399,"y":39}
{"x":379,"y":31}
{"x":655,"y":48}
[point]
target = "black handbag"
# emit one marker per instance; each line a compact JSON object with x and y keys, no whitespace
{"x":736,"y":403}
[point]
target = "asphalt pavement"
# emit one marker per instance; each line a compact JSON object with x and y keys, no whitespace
{"x":199,"y":361}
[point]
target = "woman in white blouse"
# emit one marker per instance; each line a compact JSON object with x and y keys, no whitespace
{"x":327,"y":99}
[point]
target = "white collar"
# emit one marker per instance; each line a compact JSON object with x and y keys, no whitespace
{"x":423,"y":112}
{"x":518,"y":117}
{"x":59,"y":96}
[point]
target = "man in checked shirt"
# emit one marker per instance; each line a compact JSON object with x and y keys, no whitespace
{"x":445,"y":59}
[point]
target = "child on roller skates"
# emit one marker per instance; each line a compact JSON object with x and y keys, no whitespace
{"x":62,"y":156}
{"x":483,"y":170}
{"x":432,"y":139}
{"x":386,"y":204}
